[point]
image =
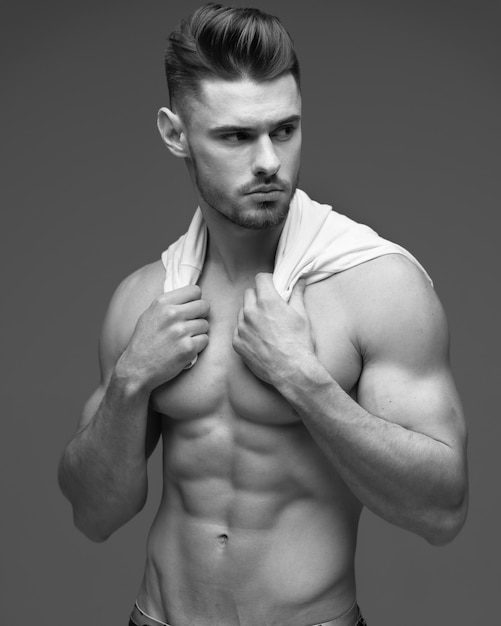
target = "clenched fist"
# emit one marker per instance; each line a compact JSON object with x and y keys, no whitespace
{"x":272,"y":336}
{"x":167,"y":337}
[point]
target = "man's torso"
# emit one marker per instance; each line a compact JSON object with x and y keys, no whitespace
{"x":254,"y":525}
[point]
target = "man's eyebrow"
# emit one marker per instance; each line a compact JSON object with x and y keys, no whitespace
{"x":232,"y":128}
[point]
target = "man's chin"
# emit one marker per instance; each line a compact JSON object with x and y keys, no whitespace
{"x":266,"y":215}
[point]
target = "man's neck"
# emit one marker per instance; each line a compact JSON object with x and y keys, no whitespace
{"x":240,"y":253}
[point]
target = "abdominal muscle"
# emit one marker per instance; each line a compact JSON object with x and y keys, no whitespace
{"x":254,"y":527}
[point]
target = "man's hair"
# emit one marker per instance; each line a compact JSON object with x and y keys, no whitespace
{"x":226,"y":43}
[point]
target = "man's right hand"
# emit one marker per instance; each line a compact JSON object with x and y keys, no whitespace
{"x":167,"y":337}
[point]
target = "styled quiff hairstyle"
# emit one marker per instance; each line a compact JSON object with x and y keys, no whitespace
{"x":226,"y":43}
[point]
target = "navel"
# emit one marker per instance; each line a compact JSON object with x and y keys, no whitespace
{"x":222,"y":540}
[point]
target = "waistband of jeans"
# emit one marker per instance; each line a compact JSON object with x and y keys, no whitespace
{"x":140,"y":618}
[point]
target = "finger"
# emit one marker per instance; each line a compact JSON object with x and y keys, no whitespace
{"x":250,"y":298}
{"x":296,"y":300}
{"x":265,"y":285}
{"x":194,"y":310}
{"x":189,"y":293}
{"x":236,"y":341}
{"x":200,"y":342}
{"x":197,"y":327}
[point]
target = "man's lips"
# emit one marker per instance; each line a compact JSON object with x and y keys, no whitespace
{"x":265,"y":189}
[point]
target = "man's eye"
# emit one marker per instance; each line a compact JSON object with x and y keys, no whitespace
{"x":283,"y":133}
{"x":236,"y":137}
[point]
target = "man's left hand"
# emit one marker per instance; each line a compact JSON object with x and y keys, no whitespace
{"x":271,"y":336}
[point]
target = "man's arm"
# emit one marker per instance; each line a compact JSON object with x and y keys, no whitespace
{"x":401,"y":447}
{"x":146,"y":340}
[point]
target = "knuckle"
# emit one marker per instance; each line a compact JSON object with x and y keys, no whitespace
{"x":177,"y":330}
{"x":186,"y":346}
{"x":164,"y":298}
{"x":170,"y":313}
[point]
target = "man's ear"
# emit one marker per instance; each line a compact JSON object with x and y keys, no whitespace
{"x":173,"y":133}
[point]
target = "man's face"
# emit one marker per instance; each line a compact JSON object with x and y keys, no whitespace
{"x":245,"y":143}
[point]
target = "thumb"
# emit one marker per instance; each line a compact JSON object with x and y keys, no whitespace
{"x":297,"y":296}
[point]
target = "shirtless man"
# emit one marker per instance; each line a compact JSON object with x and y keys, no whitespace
{"x":295,"y":414}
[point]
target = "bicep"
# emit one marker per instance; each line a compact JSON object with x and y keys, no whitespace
{"x":406,"y":378}
{"x":425,"y":402}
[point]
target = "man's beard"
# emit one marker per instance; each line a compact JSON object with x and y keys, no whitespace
{"x":262,"y":216}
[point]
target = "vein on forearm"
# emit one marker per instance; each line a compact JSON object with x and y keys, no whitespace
{"x":390,"y":468}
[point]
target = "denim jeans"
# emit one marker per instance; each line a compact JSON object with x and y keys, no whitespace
{"x":360,"y":622}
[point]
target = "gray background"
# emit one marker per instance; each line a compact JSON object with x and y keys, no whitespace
{"x":402,"y":131}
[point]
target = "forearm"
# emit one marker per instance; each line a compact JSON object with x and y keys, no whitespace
{"x":103,"y":470}
{"x":403,"y":476}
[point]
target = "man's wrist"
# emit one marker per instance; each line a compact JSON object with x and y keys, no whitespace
{"x":301,"y":379}
{"x":128,"y":380}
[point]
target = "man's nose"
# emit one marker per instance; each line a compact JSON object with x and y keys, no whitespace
{"x":266,"y":161}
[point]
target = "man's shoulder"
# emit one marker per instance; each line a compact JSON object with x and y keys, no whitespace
{"x":131,"y":298}
{"x":385,"y":299}
{"x":387,"y":276}
{"x":144,"y":284}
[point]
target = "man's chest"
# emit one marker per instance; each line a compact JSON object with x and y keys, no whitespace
{"x":221,"y":383}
